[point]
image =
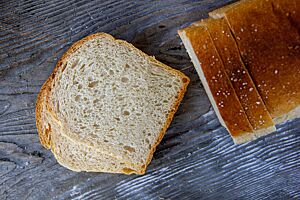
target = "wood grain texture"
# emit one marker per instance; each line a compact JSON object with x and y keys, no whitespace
{"x":196,"y":159}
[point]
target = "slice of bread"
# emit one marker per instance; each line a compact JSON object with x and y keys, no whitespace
{"x":267,"y":34}
{"x":72,"y":155}
{"x":241,"y":81}
{"x":209,"y":66}
{"x":110,"y":98}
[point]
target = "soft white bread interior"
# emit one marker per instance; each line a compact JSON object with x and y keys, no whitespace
{"x":112,"y":98}
{"x":73,"y":155}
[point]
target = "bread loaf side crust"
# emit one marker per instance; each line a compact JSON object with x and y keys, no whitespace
{"x":271,"y":52}
{"x":215,"y":80}
{"x":240,"y":79}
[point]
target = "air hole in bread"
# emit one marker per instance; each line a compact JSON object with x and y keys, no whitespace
{"x":147,"y":141}
{"x":96,"y":125}
{"x":79,"y":87}
{"x":74,"y":64}
{"x":120,"y":98}
{"x":77,"y":98}
{"x":96,"y":101}
{"x":91,"y":64}
{"x":57,"y":107}
{"x":93,"y":84}
{"x":126,"y":113}
{"x":111,"y":72}
{"x":129,"y":148}
{"x":124,"y":79}
{"x":82,"y":67}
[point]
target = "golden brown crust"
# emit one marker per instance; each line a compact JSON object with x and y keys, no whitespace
{"x":219,"y":13}
{"x":291,"y":8}
{"x":270,"y":49}
{"x":240,"y":79}
{"x":220,"y":87}
{"x":43,"y":132}
{"x":47,"y":89}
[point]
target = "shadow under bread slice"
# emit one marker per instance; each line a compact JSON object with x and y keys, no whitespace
{"x":268,"y":40}
{"x":241,"y":81}
{"x":210,"y":69}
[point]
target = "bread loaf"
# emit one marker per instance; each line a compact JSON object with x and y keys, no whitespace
{"x":258,"y":42}
{"x":267,"y":34}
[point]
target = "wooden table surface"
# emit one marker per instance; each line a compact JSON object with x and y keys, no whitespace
{"x":196,"y":159}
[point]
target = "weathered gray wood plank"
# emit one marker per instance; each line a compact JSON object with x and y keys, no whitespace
{"x":196,"y":159}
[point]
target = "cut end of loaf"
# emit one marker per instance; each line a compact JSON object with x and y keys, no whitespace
{"x":293,"y":114}
{"x":247,"y":137}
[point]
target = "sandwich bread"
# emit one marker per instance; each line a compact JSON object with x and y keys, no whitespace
{"x":258,"y":42}
{"x":107,"y":105}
